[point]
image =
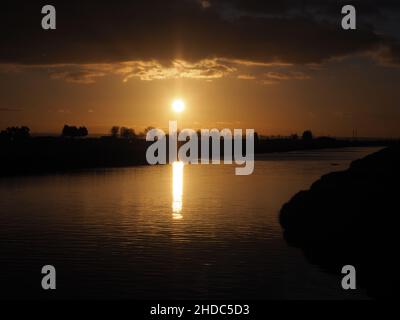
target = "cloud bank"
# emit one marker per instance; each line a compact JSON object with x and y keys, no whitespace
{"x":158,"y":39}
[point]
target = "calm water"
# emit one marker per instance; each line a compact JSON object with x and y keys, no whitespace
{"x":159,"y":232}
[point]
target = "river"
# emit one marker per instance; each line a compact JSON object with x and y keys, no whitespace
{"x":191,"y":232}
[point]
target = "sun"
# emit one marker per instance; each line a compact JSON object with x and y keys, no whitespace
{"x":178,"y":105}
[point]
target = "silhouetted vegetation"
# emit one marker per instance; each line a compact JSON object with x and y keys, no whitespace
{"x":74,"y":132}
{"x":307,"y":135}
{"x":123,"y":132}
{"x":15,"y":133}
{"x":127,"y":133}
{"x":123,"y":147}
{"x":148,"y":129}
{"x":114,"y":131}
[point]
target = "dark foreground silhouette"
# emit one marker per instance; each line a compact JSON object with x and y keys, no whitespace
{"x":348,"y":218}
{"x":21,"y":154}
{"x":52,"y":154}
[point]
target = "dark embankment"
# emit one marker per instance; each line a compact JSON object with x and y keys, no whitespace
{"x":51,"y":154}
{"x":37,"y":155}
{"x":349,"y":218}
{"x":286,"y":144}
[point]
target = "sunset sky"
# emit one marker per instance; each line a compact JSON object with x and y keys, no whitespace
{"x":276,"y":66}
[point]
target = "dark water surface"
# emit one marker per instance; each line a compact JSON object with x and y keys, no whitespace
{"x":144,"y":233}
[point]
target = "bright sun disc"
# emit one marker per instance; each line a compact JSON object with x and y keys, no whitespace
{"x":178,"y":105}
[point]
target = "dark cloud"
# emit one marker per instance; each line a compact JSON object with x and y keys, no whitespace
{"x":322,"y":8}
{"x":286,"y":76}
{"x":81,"y":76}
{"x":190,"y":30}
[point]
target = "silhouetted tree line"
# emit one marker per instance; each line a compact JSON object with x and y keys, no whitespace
{"x":123,"y":132}
{"x":15,"y":133}
{"x":307,"y":135}
{"x":73,"y":131}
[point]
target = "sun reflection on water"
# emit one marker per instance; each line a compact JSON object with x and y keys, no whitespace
{"x":177,"y":189}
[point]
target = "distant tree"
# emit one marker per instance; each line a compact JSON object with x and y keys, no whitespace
{"x":256,"y":138}
{"x":294,"y":136}
{"x":307,"y":135}
{"x":73,"y":131}
{"x":148,"y":129}
{"x":83,"y":132}
{"x":16,"y":133}
{"x":127,"y":133}
{"x":143,"y":134}
{"x":114,"y":131}
{"x":67,"y":131}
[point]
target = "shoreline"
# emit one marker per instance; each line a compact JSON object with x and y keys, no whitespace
{"x":347,"y":218}
{"x":48,"y":155}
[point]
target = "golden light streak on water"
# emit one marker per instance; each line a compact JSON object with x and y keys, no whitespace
{"x":177,"y":189}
